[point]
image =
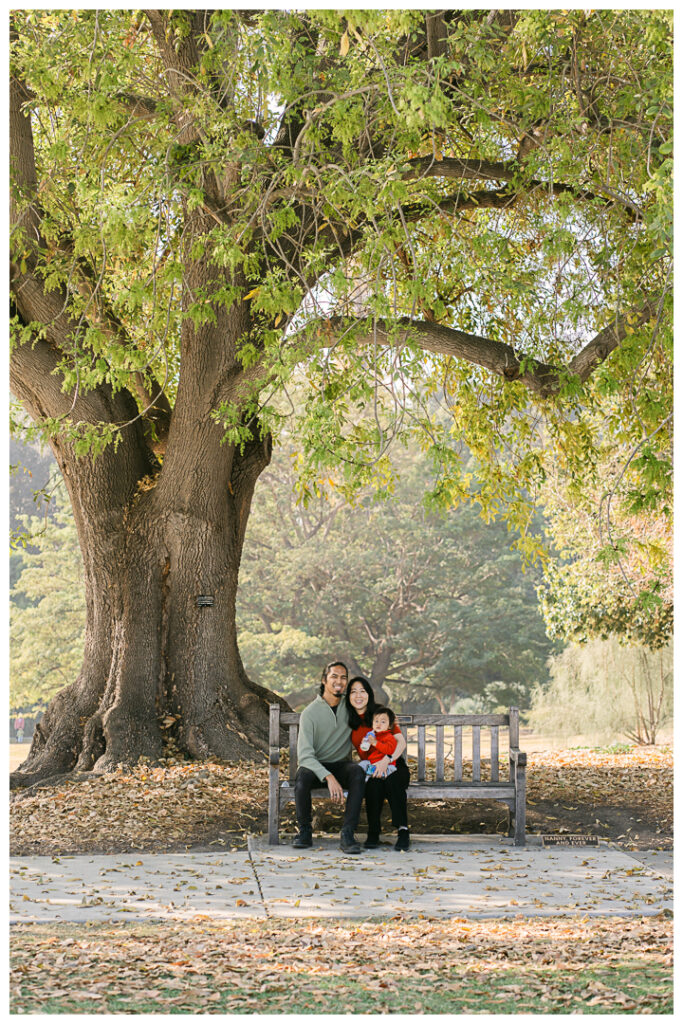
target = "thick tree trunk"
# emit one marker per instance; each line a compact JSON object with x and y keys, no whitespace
{"x":162,"y":671}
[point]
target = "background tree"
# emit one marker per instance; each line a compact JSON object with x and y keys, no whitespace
{"x":30,"y":492}
{"x":435,"y":607}
{"x":401,"y":203}
{"x":607,"y":689}
{"x":29,"y":478}
{"x":429,"y":607}
{"x":47,"y":607}
{"x":612,"y":574}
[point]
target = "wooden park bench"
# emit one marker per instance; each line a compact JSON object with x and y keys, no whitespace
{"x":448,"y":784}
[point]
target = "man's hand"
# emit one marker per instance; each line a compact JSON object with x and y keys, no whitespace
{"x":336,"y":791}
{"x":381,"y":767}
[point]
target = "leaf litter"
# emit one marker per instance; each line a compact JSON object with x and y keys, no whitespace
{"x":180,"y":805}
{"x":560,"y":964}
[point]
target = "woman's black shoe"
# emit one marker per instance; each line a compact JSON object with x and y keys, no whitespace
{"x":372,"y":842}
{"x":403,"y":841}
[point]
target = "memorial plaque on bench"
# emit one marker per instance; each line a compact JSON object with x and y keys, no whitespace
{"x":570,"y":840}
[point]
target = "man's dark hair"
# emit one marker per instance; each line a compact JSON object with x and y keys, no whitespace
{"x":379,"y":710}
{"x":332,"y":664}
{"x":354,"y":718}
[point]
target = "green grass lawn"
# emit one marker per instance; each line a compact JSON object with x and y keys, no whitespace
{"x":556,"y":965}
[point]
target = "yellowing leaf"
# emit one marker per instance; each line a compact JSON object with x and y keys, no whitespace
{"x":344,"y":45}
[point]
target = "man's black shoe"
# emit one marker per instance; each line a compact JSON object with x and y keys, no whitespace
{"x":372,"y":842}
{"x":348,"y":843}
{"x":303,"y":839}
{"x":403,"y":841}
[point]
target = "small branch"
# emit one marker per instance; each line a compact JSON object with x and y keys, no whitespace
{"x":461,"y":170}
{"x":156,"y":409}
{"x":437,"y":34}
{"x":611,"y":336}
{"x":140,"y":107}
{"x":507,"y":198}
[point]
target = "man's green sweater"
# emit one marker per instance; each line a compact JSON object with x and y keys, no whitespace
{"x":323,"y":736}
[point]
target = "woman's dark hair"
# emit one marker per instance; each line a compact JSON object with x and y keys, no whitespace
{"x":354,"y":718}
{"x":332,"y":664}
{"x":379,"y":710}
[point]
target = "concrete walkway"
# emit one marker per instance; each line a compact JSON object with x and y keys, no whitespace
{"x":441,"y":876}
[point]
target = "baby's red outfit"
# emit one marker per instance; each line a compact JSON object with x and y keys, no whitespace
{"x":358,"y":734}
{"x":384,"y":746}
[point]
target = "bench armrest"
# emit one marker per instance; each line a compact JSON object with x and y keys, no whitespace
{"x":518,"y":757}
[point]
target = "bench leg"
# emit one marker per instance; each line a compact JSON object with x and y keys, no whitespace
{"x":520,"y":808}
{"x":274,"y":811}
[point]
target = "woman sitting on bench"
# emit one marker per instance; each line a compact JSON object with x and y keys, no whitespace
{"x":361,"y":703}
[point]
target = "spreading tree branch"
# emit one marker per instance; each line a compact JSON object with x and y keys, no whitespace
{"x":543,"y":379}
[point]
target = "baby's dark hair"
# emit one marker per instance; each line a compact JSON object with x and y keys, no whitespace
{"x":385,"y":711}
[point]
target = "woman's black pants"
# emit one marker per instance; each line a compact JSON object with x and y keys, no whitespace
{"x":392,"y":788}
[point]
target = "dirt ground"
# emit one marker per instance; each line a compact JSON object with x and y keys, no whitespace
{"x":624,"y":795}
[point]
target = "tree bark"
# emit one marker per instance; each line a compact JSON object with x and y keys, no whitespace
{"x":161,"y":670}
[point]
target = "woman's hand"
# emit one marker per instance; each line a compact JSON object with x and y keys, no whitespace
{"x":381,"y":767}
{"x":401,"y":745}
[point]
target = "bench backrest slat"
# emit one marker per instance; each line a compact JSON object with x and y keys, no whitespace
{"x":494,"y":753}
{"x":293,"y":736}
{"x":421,"y":753}
{"x":514,"y":728}
{"x":457,"y":753}
{"x":439,"y":754}
{"x":476,"y":753}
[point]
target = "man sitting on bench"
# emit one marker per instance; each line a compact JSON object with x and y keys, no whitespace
{"x":324,"y":755}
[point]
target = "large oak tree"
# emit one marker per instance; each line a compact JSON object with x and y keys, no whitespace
{"x":388,"y":204}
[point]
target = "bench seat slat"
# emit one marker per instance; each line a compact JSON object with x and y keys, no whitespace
{"x":430,"y":791}
{"x":464,"y":791}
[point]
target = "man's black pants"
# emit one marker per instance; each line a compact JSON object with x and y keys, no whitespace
{"x":348,"y":774}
